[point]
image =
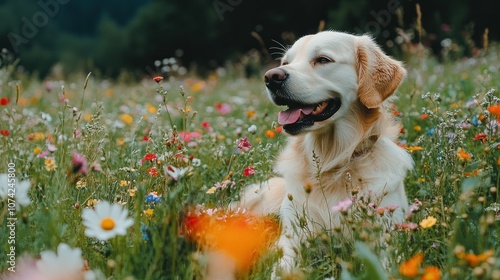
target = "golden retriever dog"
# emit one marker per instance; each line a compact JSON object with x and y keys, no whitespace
{"x":336,"y":88}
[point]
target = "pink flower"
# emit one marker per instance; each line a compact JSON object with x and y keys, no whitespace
{"x":343,"y":205}
{"x":51,"y":147}
{"x":79,"y":163}
{"x":96,"y":166}
{"x":415,"y":205}
{"x":248,"y":171}
{"x":223,"y":108}
{"x":43,"y":154}
{"x":244,"y":145}
{"x":407,"y":226}
{"x":189,"y":136}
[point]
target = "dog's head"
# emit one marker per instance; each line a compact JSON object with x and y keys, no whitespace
{"x":321,"y":76}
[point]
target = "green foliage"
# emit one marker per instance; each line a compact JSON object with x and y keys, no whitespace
{"x":452,"y":136}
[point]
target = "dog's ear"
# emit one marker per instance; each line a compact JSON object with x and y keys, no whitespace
{"x":378,"y":75}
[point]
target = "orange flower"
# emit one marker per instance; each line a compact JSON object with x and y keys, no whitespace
{"x":463,"y":154}
{"x":241,"y":237}
{"x":250,"y":113}
{"x":474,"y":260}
{"x":498,"y":161}
{"x":410,"y":268}
{"x":414,"y":148}
{"x":270,"y":134}
{"x":431,"y":273}
{"x":494,"y":109}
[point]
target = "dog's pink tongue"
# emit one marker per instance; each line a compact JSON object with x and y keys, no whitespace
{"x":292,"y":115}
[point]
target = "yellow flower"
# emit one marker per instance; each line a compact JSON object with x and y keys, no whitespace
{"x":410,"y":267}
{"x":87,"y":117}
{"x":37,"y":150}
{"x":36,"y":136}
{"x":211,"y":190}
{"x":50,"y":164}
{"x":428,"y":222}
{"x":124,"y":183}
{"x":120,"y":141}
{"x":81,"y":184}
{"x":417,"y":128}
{"x":132,"y":191}
{"x":126,"y":118}
{"x":149,"y":212}
{"x":92,"y":202}
{"x":151,"y":109}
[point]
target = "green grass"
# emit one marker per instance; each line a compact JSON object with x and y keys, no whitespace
{"x":112,"y":121}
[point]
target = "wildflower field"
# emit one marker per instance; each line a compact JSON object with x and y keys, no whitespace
{"x":112,"y":180}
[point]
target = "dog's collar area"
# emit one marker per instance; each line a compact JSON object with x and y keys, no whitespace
{"x":365,"y":146}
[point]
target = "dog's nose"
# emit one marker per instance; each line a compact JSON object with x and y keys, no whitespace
{"x":274,"y":78}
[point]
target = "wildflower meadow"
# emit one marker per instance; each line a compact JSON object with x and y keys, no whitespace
{"x":111,"y":179}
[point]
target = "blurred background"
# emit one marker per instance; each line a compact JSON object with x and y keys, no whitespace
{"x":173,"y":37}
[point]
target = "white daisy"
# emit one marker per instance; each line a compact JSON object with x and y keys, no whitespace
{"x":175,"y":173}
{"x":106,"y":221}
{"x":67,"y":263}
{"x":20,"y":191}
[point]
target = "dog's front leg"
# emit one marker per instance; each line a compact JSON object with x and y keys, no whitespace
{"x":289,"y":241}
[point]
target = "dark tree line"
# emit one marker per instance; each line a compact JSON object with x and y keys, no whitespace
{"x":113,"y":35}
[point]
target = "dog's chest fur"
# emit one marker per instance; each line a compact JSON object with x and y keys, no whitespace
{"x":377,"y":168}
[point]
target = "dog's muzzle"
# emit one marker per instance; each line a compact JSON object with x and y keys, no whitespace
{"x":299,"y":115}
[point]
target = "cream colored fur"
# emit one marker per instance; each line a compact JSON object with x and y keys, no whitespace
{"x":355,"y":147}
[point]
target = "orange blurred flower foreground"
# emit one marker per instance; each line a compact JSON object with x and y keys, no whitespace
{"x":474,"y":260}
{"x":242,"y":237}
{"x":411,"y":267}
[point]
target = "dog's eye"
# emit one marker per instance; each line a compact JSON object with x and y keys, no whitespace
{"x":322,"y":60}
{"x":284,"y":63}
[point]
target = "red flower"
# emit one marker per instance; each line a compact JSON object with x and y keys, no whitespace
{"x":152,"y":171}
{"x":480,"y":136}
{"x":158,"y":79}
{"x":4,"y":101}
{"x":4,"y":132}
{"x":206,"y":126}
{"x":148,"y":157}
{"x":424,"y":116}
{"x":145,"y":138}
{"x":248,"y":171}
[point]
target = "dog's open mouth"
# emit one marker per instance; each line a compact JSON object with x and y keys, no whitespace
{"x":298,"y":117}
